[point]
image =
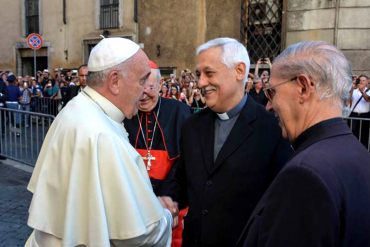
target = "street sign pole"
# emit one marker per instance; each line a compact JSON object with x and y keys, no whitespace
{"x":34,"y":63}
{"x":34,"y":42}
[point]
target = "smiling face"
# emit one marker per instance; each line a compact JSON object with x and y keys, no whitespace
{"x":151,"y":92}
{"x":220,"y":84}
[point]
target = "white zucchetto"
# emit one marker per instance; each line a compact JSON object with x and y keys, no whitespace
{"x":110,"y":52}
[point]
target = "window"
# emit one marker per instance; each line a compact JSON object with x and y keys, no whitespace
{"x":109,"y":14}
{"x":32,"y":16}
{"x":261,"y":25}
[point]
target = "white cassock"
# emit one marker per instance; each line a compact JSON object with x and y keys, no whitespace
{"x":90,"y":187}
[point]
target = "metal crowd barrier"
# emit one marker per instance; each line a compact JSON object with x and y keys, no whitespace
{"x":45,"y":105}
{"x":361,"y":129}
{"x":22,"y":134}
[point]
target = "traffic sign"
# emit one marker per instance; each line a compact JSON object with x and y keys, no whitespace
{"x":34,"y":41}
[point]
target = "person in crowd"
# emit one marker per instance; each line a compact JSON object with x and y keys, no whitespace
{"x":4,"y":77}
{"x":321,"y":197}
{"x":74,"y":89}
{"x":155,"y":134}
{"x":25,"y":103}
{"x":257,"y":92}
{"x":13,"y":95}
{"x":265,"y":74}
{"x":53,"y":95}
{"x":63,"y":92}
{"x":90,"y":187}
{"x":48,"y":89}
{"x":174,"y":92}
{"x":2,"y":106}
{"x":196,"y":100}
{"x":36,"y":95}
{"x":184,"y":96}
{"x":249,"y":84}
{"x":360,"y":108}
{"x":230,"y":151}
{"x":44,"y":77}
{"x":164,"y":93}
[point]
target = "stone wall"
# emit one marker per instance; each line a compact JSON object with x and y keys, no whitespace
{"x":172,"y":30}
{"x":65,"y":44}
{"x":345,"y":23}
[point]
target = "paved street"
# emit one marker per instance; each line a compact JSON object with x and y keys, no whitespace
{"x":14,"y":203}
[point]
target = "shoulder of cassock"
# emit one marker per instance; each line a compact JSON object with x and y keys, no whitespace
{"x":89,"y":184}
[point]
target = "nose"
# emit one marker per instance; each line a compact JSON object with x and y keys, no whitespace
{"x":202,"y":82}
{"x":269,"y":107}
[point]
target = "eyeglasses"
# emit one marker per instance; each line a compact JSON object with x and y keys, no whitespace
{"x":270,"y":91}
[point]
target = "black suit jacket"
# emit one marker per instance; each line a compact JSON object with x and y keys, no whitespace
{"x":72,"y":92}
{"x":222,"y":194}
{"x":320,"y":198}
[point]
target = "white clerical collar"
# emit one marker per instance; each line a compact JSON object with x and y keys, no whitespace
{"x":223,"y":116}
{"x":235,"y":111}
{"x":111,"y":110}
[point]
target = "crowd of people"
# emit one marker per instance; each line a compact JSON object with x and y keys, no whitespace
{"x":126,"y":163}
{"x":44,"y":93}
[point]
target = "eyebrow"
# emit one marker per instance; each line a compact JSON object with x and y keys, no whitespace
{"x":147,"y":75}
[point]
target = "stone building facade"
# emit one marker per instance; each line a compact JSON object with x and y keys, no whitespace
{"x":170,"y":31}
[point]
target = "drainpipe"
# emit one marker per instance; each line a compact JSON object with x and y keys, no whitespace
{"x":336,"y":22}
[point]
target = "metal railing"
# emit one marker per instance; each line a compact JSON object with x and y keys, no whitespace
{"x":22,"y":134}
{"x":45,"y":105}
{"x":361,"y":129}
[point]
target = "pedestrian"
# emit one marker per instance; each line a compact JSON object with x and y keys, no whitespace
{"x":155,"y":133}
{"x":322,"y":195}
{"x":90,"y":187}
{"x":230,"y":151}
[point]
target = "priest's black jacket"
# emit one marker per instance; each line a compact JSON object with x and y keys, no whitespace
{"x":222,"y":194}
{"x":320,"y":198}
{"x":171,"y":116}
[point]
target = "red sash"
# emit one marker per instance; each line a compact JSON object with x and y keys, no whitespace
{"x":161,"y":166}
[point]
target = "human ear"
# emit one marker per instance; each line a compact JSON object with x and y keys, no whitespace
{"x":306,"y":87}
{"x":240,"y":71}
{"x":113,"y":82}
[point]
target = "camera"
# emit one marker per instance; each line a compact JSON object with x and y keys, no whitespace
{"x":357,"y":81}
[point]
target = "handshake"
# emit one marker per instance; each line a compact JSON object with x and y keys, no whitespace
{"x":172,"y":206}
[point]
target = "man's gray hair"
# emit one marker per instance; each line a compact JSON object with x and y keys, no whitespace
{"x":233,"y":52}
{"x":323,"y":63}
{"x":97,"y":78}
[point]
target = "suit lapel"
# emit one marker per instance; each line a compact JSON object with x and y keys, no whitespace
{"x":241,"y":130}
{"x":206,"y":132}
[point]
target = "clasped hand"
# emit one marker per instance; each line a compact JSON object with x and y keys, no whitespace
{"x":171,"y":205}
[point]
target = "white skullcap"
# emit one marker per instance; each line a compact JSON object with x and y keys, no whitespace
{"x":110,"y":52}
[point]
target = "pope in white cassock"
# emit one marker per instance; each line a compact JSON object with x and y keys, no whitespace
{"x":90,"y":187}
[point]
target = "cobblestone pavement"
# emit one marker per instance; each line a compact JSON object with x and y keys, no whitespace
{"x":14,"y":204}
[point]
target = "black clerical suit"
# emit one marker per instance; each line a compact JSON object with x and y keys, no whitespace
{"x":320,"y":198}
{"x":222,"y":194}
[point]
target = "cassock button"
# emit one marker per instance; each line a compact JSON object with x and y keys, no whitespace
{"x":204,"y":212}
{"x":209,"y":183}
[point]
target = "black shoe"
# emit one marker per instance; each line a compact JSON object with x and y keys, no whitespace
{"x":2,"y":157}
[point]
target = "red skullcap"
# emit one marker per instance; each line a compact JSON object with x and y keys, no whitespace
{"x":153,"y":65}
